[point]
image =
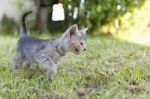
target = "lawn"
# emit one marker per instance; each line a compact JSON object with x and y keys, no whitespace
{"x":110,"y":68}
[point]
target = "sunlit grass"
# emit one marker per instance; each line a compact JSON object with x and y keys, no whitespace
{"x":132,"y":26}
{"x":136,"y":25}
{"x":108,"y":69}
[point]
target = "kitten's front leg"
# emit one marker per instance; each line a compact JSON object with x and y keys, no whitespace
{"x":48,"y":64}
{"x":51,"y":70}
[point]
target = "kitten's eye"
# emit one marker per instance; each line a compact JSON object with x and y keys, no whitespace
{"x":81,"y":43}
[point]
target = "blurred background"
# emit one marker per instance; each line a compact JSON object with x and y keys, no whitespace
{"x":124,"y":19}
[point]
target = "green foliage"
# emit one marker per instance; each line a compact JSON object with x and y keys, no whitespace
{"x":116,"y":69}
{"x":132,"y":26}
{"x":93,"y":14}
{"x":96,"y":13}
{"x":8,"y":25}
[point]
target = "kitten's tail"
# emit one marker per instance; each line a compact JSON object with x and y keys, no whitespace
{"x":23,"y":29}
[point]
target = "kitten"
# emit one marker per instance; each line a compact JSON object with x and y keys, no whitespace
{"x":48,"y":52}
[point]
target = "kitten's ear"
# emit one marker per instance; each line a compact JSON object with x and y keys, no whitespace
{"x":84,"y":31}
{"x":72,"y":30}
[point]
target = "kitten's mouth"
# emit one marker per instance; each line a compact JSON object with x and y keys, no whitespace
{"x":77,"y":51}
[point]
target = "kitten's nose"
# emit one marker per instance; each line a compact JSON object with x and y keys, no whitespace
{"x":84,"y":49}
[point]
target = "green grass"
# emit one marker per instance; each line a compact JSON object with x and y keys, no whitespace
{"x":108,"y":69}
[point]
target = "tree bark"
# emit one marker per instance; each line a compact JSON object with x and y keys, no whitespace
{"x":41,"y":17}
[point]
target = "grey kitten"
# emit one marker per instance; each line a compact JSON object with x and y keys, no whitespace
{"x":48,"y":52}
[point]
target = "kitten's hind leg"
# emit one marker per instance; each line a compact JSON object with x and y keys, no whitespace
{"x":28,"y":64}
{"x":17,"y":61}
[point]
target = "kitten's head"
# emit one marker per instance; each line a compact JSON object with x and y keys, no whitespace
{"x":76,"y":39}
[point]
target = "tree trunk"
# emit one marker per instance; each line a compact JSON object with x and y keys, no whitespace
{"x":41,"y":17}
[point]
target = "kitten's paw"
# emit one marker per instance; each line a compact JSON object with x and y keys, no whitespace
{"x":14,"y":68}
{"x":49,"y":77}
